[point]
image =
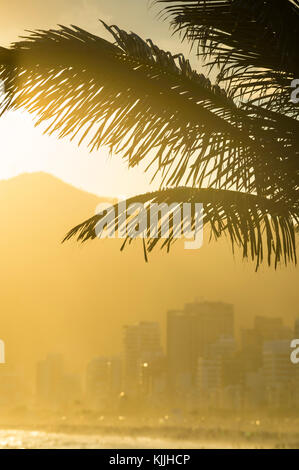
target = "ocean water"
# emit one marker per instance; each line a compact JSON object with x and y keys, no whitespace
{"x":17,"y":439}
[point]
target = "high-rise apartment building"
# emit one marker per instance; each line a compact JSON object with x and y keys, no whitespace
{"x":190,"y":333}
{"x":264,"y":329}
{"x":54,"y":387}
{"x":142,"y":346}
{"x":279,"y":372}
{"x":103,"y":380}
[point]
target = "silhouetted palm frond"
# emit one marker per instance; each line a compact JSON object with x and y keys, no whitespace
{"x":277,"y":134}
{"x":240,"y":159}
{"x":250,"y":221}
{"x":146,"y":103}
{"x":253,"y":42}
{"x":132,"y":96}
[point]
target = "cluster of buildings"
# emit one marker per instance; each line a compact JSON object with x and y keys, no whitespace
{"x":54,"y":387}
{"x":204,"y":366}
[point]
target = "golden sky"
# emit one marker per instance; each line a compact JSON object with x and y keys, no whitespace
{"x":52,"y":294}
{"x":23,"y":147}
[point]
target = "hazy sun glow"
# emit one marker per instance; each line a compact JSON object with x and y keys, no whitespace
{"x":24,"y":149}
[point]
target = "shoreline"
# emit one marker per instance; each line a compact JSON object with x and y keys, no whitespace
{"x":192,"y":438}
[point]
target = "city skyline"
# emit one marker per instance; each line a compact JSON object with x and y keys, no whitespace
{"x":215,"y":368}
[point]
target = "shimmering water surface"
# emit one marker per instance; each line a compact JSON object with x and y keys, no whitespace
{"x":19,"y":439}
{"x":43,"y":440}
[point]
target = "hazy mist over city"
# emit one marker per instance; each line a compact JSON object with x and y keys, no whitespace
{"x":146,"y":344}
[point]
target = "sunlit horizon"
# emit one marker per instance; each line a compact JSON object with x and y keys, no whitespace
{"x":26,"y":149}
